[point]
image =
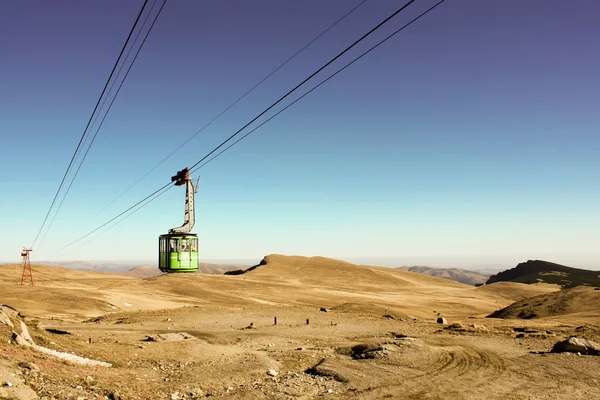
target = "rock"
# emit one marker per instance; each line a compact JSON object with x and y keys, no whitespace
{"x":169,"y":337}
{"x":525,"y":330}
{"x":456,"y":326}
{"x":323,"y":309}
{"x":19,"y":340}
{"x":442,"y":320}
{"x":25,"y":333}
{"x":30,"y":366}
{"x":576,"y":345}
{"x":367,"y":351}
{"x":174,"y":395}
{"x":4,"y":319}
{"x":272,"y":372}
{"x":7,"y":384}
{"x":57,"y":331}
{"x":479,"y":327}
{"x":8,"y":310}
{"x":115,"y":396}
{"x":320,"y":370}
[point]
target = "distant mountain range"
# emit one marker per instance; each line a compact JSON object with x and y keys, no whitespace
{"x":534,"y":271}
{"x":456,"y":274}
{"x":139,"y":269}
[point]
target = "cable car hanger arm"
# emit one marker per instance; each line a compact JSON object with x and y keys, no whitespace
{"x":183,"y":178}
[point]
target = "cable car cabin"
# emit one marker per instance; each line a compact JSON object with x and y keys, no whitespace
{"x":178,"y":252}
{"x":178,"y":249}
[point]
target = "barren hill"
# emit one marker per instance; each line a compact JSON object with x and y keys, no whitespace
{"x":534,"y":271}
{"x":151,"y":272}
{"x":280,"y":281}
{"x":455,"y":274}
{"x":578,"y":300}
{"x":517,"y":291}
{"x":293,"y":327}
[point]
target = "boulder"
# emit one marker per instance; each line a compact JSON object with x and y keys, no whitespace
{"x":29,"y":366}
{"x":442,"y":320}
{"x":576,"y":345}
{"x":4,"y":319}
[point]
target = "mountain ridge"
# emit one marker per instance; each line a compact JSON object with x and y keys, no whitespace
{"x":533,"y":271}
{"x":468,"y":277}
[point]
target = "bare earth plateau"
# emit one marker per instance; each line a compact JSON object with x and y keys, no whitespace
{"x":294,"y":328}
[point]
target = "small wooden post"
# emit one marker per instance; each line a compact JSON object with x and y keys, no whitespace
{"x":275,"y":321}
{"x":306,"y":321}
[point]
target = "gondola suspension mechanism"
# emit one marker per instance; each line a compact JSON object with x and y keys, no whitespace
{"x":178,"y":249}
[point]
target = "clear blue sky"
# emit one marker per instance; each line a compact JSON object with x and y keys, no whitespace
{"x":474,"y":133}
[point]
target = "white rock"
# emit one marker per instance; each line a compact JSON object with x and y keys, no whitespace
{"x":576,"y":345}
{"x":272,"y":372}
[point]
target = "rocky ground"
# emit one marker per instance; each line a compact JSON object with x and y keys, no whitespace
{"x":191,"y":353}
{"x":341,"y":331}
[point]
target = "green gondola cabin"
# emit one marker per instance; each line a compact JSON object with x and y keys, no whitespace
{"x":178,"y":249}
{"x":178,"y":253}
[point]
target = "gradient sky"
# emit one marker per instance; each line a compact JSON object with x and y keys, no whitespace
{"x":473,"y":133}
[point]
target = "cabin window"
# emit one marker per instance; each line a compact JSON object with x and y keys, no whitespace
{"x":194,"y":244}
{"x":185,"y":245}
{"x":173,"y":246}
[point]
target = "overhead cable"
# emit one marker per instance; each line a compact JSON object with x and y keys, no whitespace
{"x":106,"y":114}
{"x":321,"y":83}
{"x":232,"y":105}
{"x":88,"y":124}
{"x":197,"y":166}
{"x":304,"y":81}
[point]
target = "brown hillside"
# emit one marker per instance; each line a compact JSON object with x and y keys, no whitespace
{"x":517,"y":291}
{"x":579,"y":300}
{"x":465,"y":276}
{"x":282,"y":281}
{"x":191,"y":336}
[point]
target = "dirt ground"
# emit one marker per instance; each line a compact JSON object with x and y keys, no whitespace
{"x":197,"y":336}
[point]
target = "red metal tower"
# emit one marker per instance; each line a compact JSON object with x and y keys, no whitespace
{"x":27,"y":276}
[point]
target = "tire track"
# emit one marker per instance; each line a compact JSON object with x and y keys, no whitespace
{"x":457,"y":361}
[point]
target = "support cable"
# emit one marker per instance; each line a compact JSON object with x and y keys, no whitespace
{"x":317,"y":86}
{"x":89,"y":122}
{"x":103,"y":119}
{"x":232,"y":105}
{"x":197,"y":166}
{"x":147,"y":198}
{"x":305,"y":80}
